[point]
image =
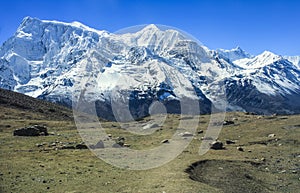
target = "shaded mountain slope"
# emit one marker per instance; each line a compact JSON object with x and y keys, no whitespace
{"x":10,"y":100}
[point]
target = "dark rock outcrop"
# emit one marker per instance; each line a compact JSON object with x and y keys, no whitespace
{"x":35,"y":130}
{"x":216,"y":145}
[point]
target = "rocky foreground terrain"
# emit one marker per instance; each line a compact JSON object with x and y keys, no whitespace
{"x":258,"y":154}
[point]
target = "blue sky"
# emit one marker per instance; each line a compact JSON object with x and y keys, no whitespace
{"x":254,"y":25}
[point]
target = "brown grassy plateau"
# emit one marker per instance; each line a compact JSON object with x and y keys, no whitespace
{"x":267,"y":164}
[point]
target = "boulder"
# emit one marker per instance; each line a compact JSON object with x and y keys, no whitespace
{"x":116,"y":145}
{"x":38,"y":145}
{"x":100,"y":144}
{"x":150,"y":126}
{"x":186,"y":134}
{"x":239,"y":148}
{"x":271,"y":135}
{"x":216,"y":145}
{"x":68,"y":147}
{"x":81,"y":146}
{"x":206,"y":138}
{"x":120,"y":141}
{"x":120,"y":138}
{"x":165,"y":141}
{"x":230,"y":142}
{"x":35,"y":130}
{"x":228,"y":122}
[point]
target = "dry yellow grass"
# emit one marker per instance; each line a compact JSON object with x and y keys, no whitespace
{"x":25,"y":167}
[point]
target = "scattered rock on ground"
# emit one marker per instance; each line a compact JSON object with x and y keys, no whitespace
{"x":228,"y":122}
{"x":186,"y":134}
{"x":165,"y":141}
{"x":216,"y":145}
{"x":271,"y":135}
{"x":52,"y":144}
{"x":206,"y":138}
{"x":239,"y":148}
{"x":150,"y":126}
{"x":116,"y":145}
{"x":38,"y":145}
{"x":35,"y":130}
{"x":120,"y":141}
{"x":100,"y":144}
{"x":282,"y":171}
{"x":68,"y":147}
{"x":200,"y":131}
{"x":81,"y":146}
{"x":230,"y":142}
{"x":120,"y":138}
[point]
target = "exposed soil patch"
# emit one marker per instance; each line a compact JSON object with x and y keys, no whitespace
{"x":229,"y":176}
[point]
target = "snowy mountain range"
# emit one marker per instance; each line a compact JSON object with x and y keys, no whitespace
{"x":53,"y":60}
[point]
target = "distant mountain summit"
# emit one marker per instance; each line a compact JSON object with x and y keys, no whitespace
{"x":234,"y":54}
{"x":51,"y":60}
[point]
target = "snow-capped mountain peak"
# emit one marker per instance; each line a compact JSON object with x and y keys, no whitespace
{"x":236,"y":49}
{"x":29,"y":22}
{"x":150,"y":27}
{"x":234,"y":54}
{"x":152,"y":37}
{"x":47,"y":59}
{"x":270,"y":55}
{"x":258,"y":61}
